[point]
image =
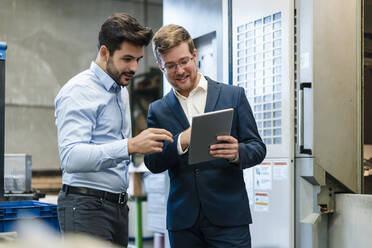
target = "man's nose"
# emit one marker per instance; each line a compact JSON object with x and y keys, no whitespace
{"x":179,"y":69}
{"x":134,"y":66}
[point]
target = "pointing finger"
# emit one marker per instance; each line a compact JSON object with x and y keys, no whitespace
{"x":163,"y":137}
{"x":161,"y":131}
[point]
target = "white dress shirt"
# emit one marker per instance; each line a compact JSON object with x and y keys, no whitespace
{"x":193,"y":105}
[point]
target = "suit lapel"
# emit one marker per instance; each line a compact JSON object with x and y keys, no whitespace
{"x":212,"y":96}
{"x":173,"y":103}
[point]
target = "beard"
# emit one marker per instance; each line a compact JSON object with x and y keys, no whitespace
{"x":185,"y":87}
{"x":114,"y":73}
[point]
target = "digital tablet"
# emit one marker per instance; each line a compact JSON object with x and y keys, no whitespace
{"x":204,"y":131}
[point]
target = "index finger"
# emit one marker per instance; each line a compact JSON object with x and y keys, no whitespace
{"x":162,"y":137}
{"x":161,"y":131}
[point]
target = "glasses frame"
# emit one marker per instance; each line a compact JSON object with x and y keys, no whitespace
{"x":174,"y":66}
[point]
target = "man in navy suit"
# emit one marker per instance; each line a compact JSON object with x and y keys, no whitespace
{"x":208,"y":204}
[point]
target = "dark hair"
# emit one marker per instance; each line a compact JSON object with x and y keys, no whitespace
{"x":122,"y":27}
{"x":168,"y":37}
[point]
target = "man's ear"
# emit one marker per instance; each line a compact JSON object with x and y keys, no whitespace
{"x":104,"y":53}
{"x":195,"y":54}
{"x":160,"y":67}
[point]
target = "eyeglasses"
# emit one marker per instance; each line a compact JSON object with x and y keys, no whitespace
{"x":171,"y":67}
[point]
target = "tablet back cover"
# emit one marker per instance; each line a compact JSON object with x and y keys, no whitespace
{"x":204,"y":132}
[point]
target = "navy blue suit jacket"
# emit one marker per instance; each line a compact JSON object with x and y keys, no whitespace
{"x":216,"y":186}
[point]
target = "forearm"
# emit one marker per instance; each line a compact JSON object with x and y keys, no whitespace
{"x":251,"y":153}
{"x":84,"y":157}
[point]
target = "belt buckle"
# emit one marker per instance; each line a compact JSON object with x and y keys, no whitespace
{"x":122,"y":198}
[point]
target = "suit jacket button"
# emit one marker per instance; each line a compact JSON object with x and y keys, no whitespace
{"x":197,"y":171}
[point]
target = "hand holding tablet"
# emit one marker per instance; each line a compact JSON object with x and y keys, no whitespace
{"x":205,"y":129}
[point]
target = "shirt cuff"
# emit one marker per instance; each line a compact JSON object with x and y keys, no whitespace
{"x":119,"y":149}
{"x":179,"y":147}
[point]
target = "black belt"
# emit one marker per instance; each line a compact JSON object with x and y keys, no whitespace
{"x":120,"y":198}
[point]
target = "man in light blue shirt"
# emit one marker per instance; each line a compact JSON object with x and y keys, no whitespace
{"x":94,"y":134}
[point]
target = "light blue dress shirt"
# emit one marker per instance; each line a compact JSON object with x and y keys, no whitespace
{"x":93,"y":121}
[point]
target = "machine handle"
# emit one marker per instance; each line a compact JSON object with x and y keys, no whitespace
{"x":301,"y":128}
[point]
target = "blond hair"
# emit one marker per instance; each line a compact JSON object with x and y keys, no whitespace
{"x":168,"y":37}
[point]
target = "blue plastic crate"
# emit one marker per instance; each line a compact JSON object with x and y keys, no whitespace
{"x":14,"y":211}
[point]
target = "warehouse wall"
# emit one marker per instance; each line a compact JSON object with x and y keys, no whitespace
{"x":49,"y":41}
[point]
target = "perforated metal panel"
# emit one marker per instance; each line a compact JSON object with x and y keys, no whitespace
{"x":263,"y":66}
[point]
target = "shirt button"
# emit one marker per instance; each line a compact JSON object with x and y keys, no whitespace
{"x":197,"y":171}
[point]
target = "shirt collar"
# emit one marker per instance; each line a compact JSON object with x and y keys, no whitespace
{"x":104,"y":79}
{"x":202,"y":85}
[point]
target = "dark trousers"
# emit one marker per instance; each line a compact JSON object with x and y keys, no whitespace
{"x":93,"y":216}
{"x":204,"y":234}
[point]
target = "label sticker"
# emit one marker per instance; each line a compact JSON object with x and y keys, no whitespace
{"x":261,"y":202}
{"x":280,"y":171}
{"x":263,"y":176}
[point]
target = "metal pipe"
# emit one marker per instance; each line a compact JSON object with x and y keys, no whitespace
{"x":3,"y":47}
{"x":139,"y":222}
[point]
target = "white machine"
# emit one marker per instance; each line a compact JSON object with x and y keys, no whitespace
{"x":303,"y":91}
